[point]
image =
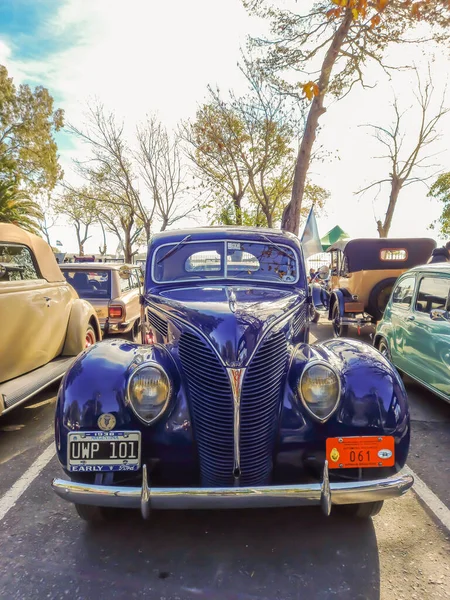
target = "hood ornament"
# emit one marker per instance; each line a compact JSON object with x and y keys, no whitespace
{"x":236,"y":377}
{"x":232,"y":301}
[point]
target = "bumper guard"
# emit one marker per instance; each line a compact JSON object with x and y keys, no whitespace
{"x":147,"y":498}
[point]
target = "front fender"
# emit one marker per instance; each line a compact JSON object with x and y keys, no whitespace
{"x":97,"y":384}
{"x":373,"y":398}
{"x":81,"y":315}
{"x":339,"y":297}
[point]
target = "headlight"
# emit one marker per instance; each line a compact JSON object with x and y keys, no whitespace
{"x":149,"y":392}
{"x":320,"y":389}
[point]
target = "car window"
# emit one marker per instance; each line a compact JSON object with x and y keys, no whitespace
{"x":17,"y":262}
{"x":125,"y":284}
{"x":256,"y":261}
{"x":403,"y":292}
{"x":134,"y":281}
{"x":433,"y":294}
{"x":89,"y":283}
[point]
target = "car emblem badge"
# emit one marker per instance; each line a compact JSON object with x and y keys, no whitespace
{"x":334,"y":455}
{"x":106,"y":422}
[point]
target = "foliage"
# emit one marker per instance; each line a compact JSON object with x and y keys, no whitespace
{"x":441,"y":191}
{"x":338,"y":40}
{"x":243,"y":150}
{"x":28,"y":151}
{"x":17,"y":208}
{"x":81,"y":210}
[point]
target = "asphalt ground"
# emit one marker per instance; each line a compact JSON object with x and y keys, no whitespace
{"x":48,"y":552}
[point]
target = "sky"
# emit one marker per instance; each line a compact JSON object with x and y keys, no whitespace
{"x":146,"y":56}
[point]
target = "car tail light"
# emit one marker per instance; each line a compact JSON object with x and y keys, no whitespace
{"x":115,"y":312}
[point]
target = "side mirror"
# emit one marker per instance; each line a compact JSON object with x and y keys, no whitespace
{"x":438,"y":314}
{"x":124,"y":272}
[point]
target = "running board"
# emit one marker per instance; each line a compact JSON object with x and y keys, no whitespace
{"x":20,"y":389}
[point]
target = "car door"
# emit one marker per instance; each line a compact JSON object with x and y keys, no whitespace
{"x":402,"y":352}
{"x":430,"y":333}
{"x":24,"y":304}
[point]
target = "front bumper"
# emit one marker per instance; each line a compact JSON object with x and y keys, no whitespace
{"x":147,"y":498}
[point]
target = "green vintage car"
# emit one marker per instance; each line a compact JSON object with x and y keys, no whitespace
{"x":414,"y":333}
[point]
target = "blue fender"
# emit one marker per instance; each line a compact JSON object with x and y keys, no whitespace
{"x":319,"y":297}
{"x":339,"y":297}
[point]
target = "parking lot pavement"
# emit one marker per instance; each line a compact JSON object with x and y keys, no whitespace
{"x":47,"y":552}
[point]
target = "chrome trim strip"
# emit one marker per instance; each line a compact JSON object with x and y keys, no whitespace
{"x":236,"y":377}
{"x":225,"y":269}
{"x":236,"y":497}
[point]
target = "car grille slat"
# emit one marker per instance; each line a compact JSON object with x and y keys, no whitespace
{"x":157,"y":323}
{"x":212,"y":409}
{"x":260,"y":402}
{"x":299,"y":322}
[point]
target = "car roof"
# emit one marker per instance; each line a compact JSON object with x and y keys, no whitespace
{"x":224,"y":232}
{"x":443,"y":267}
{"x":46,"y":261}
{"x":96,"y":266}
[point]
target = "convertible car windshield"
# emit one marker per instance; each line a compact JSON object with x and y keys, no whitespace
{"x":219,"y":260}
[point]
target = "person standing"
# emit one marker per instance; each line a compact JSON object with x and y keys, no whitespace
{"x":440,"y":254}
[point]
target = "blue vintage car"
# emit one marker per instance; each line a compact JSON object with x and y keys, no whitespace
{"x":226,"y":405}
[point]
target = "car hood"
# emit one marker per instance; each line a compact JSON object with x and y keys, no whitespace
{"x":232,"y":318}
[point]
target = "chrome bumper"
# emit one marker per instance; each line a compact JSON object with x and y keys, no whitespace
{"x":147,"y":498}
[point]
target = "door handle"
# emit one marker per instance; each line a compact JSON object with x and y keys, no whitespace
{"x":411,"y":318}
{"x":47,"y":298}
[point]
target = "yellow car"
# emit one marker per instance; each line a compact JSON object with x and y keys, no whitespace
{"x":44,"y":324}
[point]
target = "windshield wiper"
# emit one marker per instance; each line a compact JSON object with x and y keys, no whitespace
{"x":173,"y":250}
{"x":275,"y":245}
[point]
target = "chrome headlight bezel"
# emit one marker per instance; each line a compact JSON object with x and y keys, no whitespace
{"x":129,"y":401}
{"x":322,"y":363}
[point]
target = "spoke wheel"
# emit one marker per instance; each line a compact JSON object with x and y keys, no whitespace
{"x":90,"y":337}
{"x":339,"y":329}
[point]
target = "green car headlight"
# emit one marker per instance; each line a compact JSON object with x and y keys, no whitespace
{"x":320,"y":389}
{"x":149,"y":392}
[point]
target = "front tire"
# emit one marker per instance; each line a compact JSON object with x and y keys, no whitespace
{"x":90,"y":337}
{"x":93,"y":514}
{"x":383,"y":349}
{"x":313,"y":314}
{"x":364,"y":510}
{"x":339,"y":329}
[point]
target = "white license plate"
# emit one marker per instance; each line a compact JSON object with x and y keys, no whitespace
{"x":97,"y":451}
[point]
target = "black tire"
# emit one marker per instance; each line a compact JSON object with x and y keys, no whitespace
{"x":132,"y":335}
{"x":383,"y":348}
{"x":379,"y":297}
{"x":364,"y":510}
{"x":93,"y":514}
{"x":314,"y":315}
{"x":339,"y":330}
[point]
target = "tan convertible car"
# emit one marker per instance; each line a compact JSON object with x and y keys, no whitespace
{"x":44,"y":324}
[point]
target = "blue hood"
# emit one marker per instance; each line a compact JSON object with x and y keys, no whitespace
{"x":233,"y":318}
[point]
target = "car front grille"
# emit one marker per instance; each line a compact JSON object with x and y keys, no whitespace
{"x":212,"y":411}
{"x":157,"y":323}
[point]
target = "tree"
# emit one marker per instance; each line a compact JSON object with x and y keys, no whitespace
{"x":161,"y":168}
{"x":404,"y":166}
{"x":337,"y":39}
{"x":441,"y":191}
{"x":17,"y":208}
{"x":28,"y":151}
{"x":243,"y":149}
{"x":81,"y":209}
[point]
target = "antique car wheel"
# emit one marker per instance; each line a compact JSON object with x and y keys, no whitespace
{"x":364,"y":510}
{"x":338,"y":329}
{"x":379,"y":297}
{"x":314,"y":315}
{"x":90,"y":338}
{"x":384,"y":349}
{"x":94,"y":514}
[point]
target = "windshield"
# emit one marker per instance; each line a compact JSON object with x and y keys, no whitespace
{"x":253,"y":261}
{"x":90,"y":284}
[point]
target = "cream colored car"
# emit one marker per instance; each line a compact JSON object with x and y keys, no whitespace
{"x":113,"y":289}
{"x":44,"y":324}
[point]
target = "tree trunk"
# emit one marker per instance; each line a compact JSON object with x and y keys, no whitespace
{"x":238,"y":208}
{"x":164,"y":223}
{"x":80,"y":243}
{"x":383,"y":228}
{"x":291,"y":215}
{"x":103,"y":248}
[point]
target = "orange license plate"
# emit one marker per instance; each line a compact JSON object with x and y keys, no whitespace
{"x":364,"y":451}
